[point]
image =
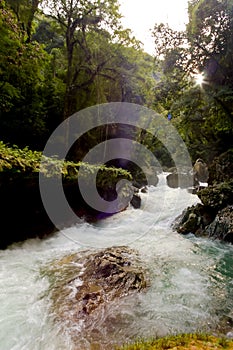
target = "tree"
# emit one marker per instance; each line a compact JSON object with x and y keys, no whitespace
{"x":81,"y":21}
{"x":25,"y":11}
{"x":210,"y":33}
{"x":203,"y":113}
{"x":22,"y":67}
{"x":78,"y":18}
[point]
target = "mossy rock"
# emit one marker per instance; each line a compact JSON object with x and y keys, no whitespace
{"x":182,"y":342}
{"x":221,"y":168}
{"x":218,"y":196}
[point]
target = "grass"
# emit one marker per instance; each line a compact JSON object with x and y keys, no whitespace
{"x":182,"y":342}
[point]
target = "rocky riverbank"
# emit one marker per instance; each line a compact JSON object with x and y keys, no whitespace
{"x":23,"y":215}
{"x":214,"y":216}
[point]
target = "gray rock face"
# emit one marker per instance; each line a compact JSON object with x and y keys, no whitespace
{"x":194,"y":220}
{"x":221,"y":169}
{"x":222,"y":226}
{"x":212,"y":218}
{"x":136,"y":201}
{"x":189,"y":178}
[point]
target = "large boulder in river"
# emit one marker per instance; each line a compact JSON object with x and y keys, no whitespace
{"x":136,"y":201}
{"x":213,"y":217}
{"x":108,"y":274}
{"x":175,"y":180}
{"x":194,"y":220}
{"x":87,"y":290}
{"x":84,"y":283}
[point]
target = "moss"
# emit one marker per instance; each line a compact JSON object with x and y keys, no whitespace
{"x":20,"y":191}
{"x":18,"y":162}
{"x":217,"y":196}
{"x":182,"y":342}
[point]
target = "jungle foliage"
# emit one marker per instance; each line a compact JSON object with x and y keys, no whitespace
{"x":60,"y":56}
{"x":17,"y":163}
{"x":203,"y":113}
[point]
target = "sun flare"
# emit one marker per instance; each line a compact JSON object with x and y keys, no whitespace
{"x":199,"y":78}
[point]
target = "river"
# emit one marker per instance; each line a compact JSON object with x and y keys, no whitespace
{"x":191,"y":278}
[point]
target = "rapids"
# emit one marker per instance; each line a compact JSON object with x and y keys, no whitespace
{"x":191,"y":279}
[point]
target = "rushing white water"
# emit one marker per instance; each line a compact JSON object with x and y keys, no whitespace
{"x":191,"y":278}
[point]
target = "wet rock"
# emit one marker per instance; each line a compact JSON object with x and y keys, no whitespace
{"x":212,"y":218}
{"x":84,"y":283}
{"x":188,"y":178}
{"x":171,"y":170}
{"x":222,"y":226}
{"x":144,"y":190}
{"x":176,"y":180}
{"x":200,"y":171}
{"x":194,"y":220}
{"x":136,"y":201}
{"x":88,"y":290}
{"x":108,"y":275}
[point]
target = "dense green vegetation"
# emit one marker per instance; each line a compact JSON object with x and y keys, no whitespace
{"x":16,"y":162}
{"x":74,"y":56}
{"x":20,"y":192}
{"x":202,"y":112}
{"x":58,"y":57}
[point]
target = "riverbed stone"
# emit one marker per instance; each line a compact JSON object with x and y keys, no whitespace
{"x":83,"y":282}
{"x":213,"y":217}
{"x":175,"y":180}
{"x":136,"y":201}
{"x":200,"y":171}
{"x":87,"y":289}
{"x":107,"y":275}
